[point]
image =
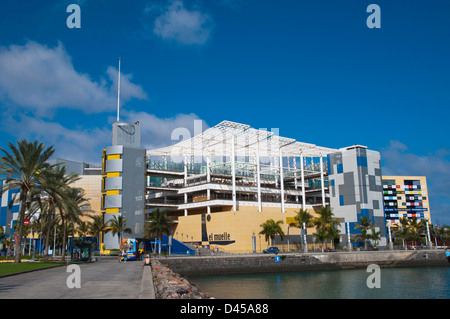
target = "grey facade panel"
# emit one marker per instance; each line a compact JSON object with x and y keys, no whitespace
{"x":376,"y":204}
{"x":372,"y":183}
{"x":116,"y":149}
{"x":115,"y":165}
{"x":378,"y":220}
{"x":348,"y":189}
{"x":133,"y":188}
{"x":377,"y":172}
{"x":361,"y":152}
{"x":113,"y":201}
{"x":113,"y":183}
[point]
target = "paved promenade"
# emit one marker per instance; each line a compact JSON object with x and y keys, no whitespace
{"x":105,"y":279}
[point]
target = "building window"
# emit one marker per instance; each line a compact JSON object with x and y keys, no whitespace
{"x":412,"y":182}
{"x":341,"y":200}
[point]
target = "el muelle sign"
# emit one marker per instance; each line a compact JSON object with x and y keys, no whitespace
{"x":222,"y":238}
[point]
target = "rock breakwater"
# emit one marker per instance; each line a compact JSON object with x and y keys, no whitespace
{"x":170,"y":285}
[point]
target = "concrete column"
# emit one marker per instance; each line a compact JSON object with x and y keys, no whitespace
{"x":281,"y":181}
{"x":350,"y":246}
{"x":295,"y":178}
{"x":302,"y":166}
{"x":322,"y":181}
{"x":208,"y":180}
{"x":208,"y":168}
{"x":258,"y":177}
{"x":185,"y":182}
{"x":233,"y":171}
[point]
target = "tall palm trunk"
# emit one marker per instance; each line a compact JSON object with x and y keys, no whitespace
{"x":64,"y":240}
{"x":18,"y":252}
{"x":47,"y":235}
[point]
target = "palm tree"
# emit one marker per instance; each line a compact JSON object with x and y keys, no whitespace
{"x":303,"y":217}
{"x":97,"y":226}
{"x":157,"y":223}
{"x":118,"y":225}
{"x":333,"y":234}
{"x":321,"y":235}
{"x":414,"y":228}
{"x":365,"y":224}
{"x":83,"y":230}
{"x":7,"y":242}
{"x":37,"y":226}
{"x":325,"y":219}
{"x":55,"y":183}
{"x":26,"y":229}
{"x":22,"y":167}
{"x":403,"y":233}
{"x":70,"y":211}
{"x":326,"y":224}
{"x":443,"y":233}
{"x":270,"y":229}
{"x":303,"y":220}
{"x":375,"y":235}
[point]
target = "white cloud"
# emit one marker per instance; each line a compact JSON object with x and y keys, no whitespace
{"x":36,"y":81}
{"x":182,"y":25}
{"x":86,"y":144}
{"x":83,"y":145}
{"x":40,"y":79}
{"x":157,"y":132}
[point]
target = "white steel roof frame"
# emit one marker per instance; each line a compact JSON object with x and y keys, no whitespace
{"x":217,"y":140}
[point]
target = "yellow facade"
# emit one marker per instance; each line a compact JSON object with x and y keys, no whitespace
{"x":232,"y":232}
{"x":92,"y":185}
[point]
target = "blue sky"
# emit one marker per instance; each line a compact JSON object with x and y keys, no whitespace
{"x":312,"y":69}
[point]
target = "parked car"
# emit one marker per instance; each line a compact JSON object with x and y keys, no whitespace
{"x":274,"y":250}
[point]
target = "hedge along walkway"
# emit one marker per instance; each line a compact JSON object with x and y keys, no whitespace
{"x":8,"y":268}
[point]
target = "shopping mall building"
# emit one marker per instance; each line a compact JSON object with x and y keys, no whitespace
{"x":219,"y":186}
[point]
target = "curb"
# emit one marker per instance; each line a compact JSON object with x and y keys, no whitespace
{"x":147,"y":288}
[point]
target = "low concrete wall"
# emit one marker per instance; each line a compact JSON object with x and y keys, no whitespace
{"x":147,"y":287}
{"x":211,"y":265}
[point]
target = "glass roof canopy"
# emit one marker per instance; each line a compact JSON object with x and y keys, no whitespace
{"x":247,"y":141}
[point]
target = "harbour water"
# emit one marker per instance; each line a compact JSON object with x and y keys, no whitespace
{"x":395,"y":283}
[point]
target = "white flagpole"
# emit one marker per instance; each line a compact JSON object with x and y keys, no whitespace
{"x":118,"y":94}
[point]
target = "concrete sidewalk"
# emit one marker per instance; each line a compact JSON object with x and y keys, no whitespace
{"x":104,"y":279}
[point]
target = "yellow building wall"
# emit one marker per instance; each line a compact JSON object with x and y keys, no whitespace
{"x":92,"y":186}
{"x":240,"y":226}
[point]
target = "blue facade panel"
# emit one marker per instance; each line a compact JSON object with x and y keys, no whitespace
{"x":341,"y":200}
{"x":361,"y":161}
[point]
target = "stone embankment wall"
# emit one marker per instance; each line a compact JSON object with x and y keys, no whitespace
{"x":170,"y":285}
{"x":210,"y":265}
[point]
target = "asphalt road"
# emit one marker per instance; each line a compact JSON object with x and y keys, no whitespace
{"x":105,"y":279}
